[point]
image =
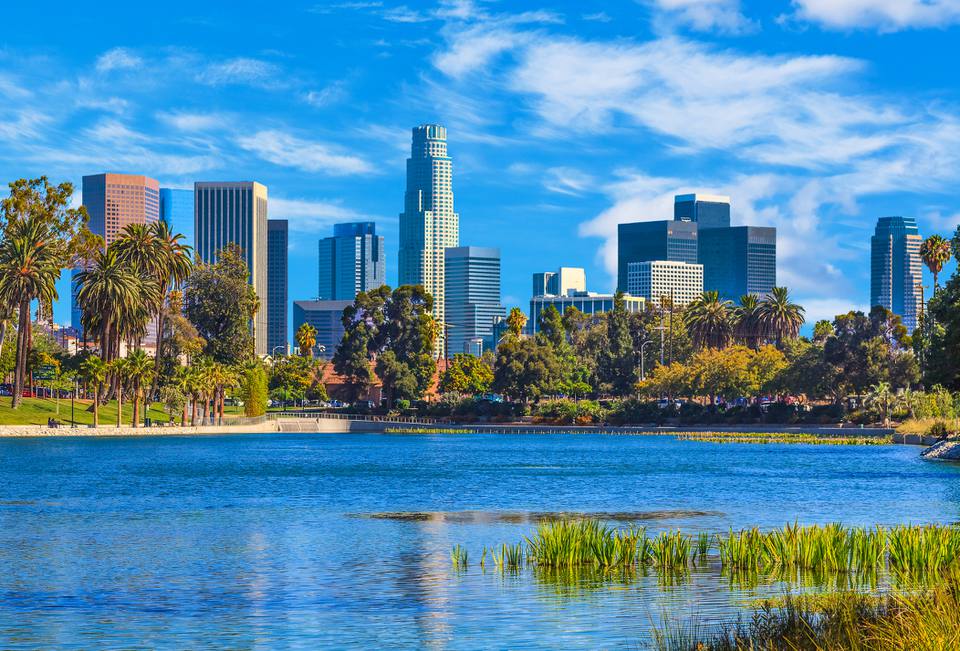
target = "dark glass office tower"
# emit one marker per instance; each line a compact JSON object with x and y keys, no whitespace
{"x":352,"y":261}
{"x":277,"y":279}
{"x":739,"y":260}
{"x":895,"y":268}
{"x":473,"y":298}
{"x":655,"y":240}
{"x":707,"y":210}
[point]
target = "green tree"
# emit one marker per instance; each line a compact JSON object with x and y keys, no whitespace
{"x":139,"y":372}
{"x":617,"y":368}
{"x":822,"y":330}
{"x":708,"y":321}
{"x":516,"y":320}
{"x":220,"y":302}
{"x":466,"y":375}
{"x":253,"y":390}
{"x":766,"y":366}
{"x":722,"y":372}
{"x":882,"y":398}
{"x":118,"y":367}
{"x":780,"y":318}
{"x":524,"y":369}
{"x":551,"y":326}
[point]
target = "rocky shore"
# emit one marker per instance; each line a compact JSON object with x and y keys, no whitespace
{"x":943,"y":451}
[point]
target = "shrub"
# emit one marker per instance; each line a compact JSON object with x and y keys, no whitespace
{"x":938,"y":430}
{"x":253,"y":391}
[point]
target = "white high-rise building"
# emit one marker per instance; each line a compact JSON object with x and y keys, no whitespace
{"x":656,"y":279}
{"x":428,"y":223}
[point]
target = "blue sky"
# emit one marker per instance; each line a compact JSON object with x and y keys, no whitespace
{"x":564,"y":118}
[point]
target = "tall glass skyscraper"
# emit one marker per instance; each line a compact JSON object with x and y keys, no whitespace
{"x":113,"y":201}
{"x":656,"y":240}
{"x":739,"y":260}
{"x":895,"y":268}
{"x":428,"y":223}
{"x":473,"y":297}
{"x":352,"y":261}
{"x":277,"y":241}
{"x":236,"y":212}
{"x":707,"y":210}
{"x":176,"y":209}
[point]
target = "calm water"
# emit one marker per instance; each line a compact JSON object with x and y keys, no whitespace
{"x":261,"y":541}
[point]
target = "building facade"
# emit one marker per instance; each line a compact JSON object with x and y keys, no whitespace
{"x":326,"y":317}
{"x":561,"y":282}
{"x":671,"y":240}
{"x":352,"y":261}
{"x":277,"y":282}
{"x":114,"y":201}
{"x":236,"y":212}
{"x":176,"y":209}
{"x":586,"y":302}
{"x":739,"y":260}
{"x":473,"y":298}
{"x":658,"y":279}
{"x":706,"y":210}
{"x":428,"y":223}
{"x":896,"y":272}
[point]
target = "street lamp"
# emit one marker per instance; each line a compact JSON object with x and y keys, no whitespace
{"x":274,"y":349}
{"x":643,"y":375}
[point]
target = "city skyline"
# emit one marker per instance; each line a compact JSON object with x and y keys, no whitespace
{"x":822,"y":124}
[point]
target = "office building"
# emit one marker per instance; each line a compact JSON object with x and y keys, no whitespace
{"x":657,"y":279}
{"x":428,"y":223}
{"x":176,"y":209}
{"x":114,"y":201}
{"x":586,"y":302}
{"x":670,"y":240}
{"x":277,"y":279}
{"x":326,"y":317}
{"x":352,"y":261}
{"x":896,"y":274}
{"x":473,"y":298}
{"x":236,"y":212}
{"x":561,"y":282}
{"x":739,"y":260}
{"x":706,"y":210}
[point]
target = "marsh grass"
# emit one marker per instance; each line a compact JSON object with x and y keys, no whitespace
{"x":458,"y":557}
{"x":783,"y":437}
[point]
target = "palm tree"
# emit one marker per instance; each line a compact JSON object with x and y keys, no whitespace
{"x":118,"y":367}
{"x":182,"y":382}
{"x":882,"y":397}
{"x":779,"y":317}
{"x":708,"y":320}
{"x":173,"y":268}
{"x":29,"y":269}
{"x":94,"y":371}
{"x":306,"y":337}
{"x":935,"y":252}
{"x":139,"y":371}
{"x":107,"y":292}
{"x":746,"y":319}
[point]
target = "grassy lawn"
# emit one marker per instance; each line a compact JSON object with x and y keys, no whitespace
{"x":36,"y":411}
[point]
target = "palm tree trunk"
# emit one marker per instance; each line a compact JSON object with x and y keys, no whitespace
{"x":157,"y":355}
{"x":96,"y":404}
{"x":183,"y":416}
{"x":193,"y":411}
{"x":119,"y":407}
{"x":22,"y":352}
{"x":135,"y":417}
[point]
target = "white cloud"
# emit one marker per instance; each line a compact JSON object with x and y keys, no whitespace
{"x":706,"y":15}
{"x":817,"y":309}
{"x":186,"y":121}
{"x":118,"y":58}
{"x":885,"y":15}
{"x":113,"y":131}
{"x":312,"y":216}
{"x":329,"y":94}
{"x":569,"y":181}
{"x":241,"y":70}
{"x":281,"y":148}
{"x":599,"y":17}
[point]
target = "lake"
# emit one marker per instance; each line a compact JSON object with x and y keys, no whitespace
{"x":333,"y":541}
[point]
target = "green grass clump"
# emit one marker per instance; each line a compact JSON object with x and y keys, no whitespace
{"x":920,"y":549}
{"x":575,"y":543}
{"x":671,"y":550}
{"x":783,"y":437}
{"x":458,"y":556}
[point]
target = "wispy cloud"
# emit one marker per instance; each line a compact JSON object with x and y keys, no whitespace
{"x":119,"y":58}
{"x":188,"y":121}
{"x":706,"y":15}
{"x":311,"y":216}
{"x":286,"y":150}
{"x":883,"y":15}
{"x":241,"y":70}
{"x":332,"y":93}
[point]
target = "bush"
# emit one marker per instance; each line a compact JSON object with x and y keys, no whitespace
{"x":253,"y":391}
{"x":938,"y":430}
{"x":631,"y":411}
{"x":568,"y":412}
{"x":402,"y":403}
{"x":780,"y":412}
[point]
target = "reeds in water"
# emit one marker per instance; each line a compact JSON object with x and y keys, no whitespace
{"x":458,"y":556}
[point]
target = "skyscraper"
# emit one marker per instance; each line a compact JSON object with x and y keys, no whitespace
{"x":236,"y":212}
{"x":352,"y":261}
{"x":473,"y":297}
{"x":707,"y":210}
{"x":176,"y":209}
{"x":561,"y":282}
{"x":428,"y":223}
{"x":656,"y":240}
{"x":895,"y":268}
{"x":114,"y":201}
{"x":277,"y":285}
{"x":739,"y":260}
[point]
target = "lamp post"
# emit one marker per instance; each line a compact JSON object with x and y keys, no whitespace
{"x":643,"y":375}
{"x":274,"y":349}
